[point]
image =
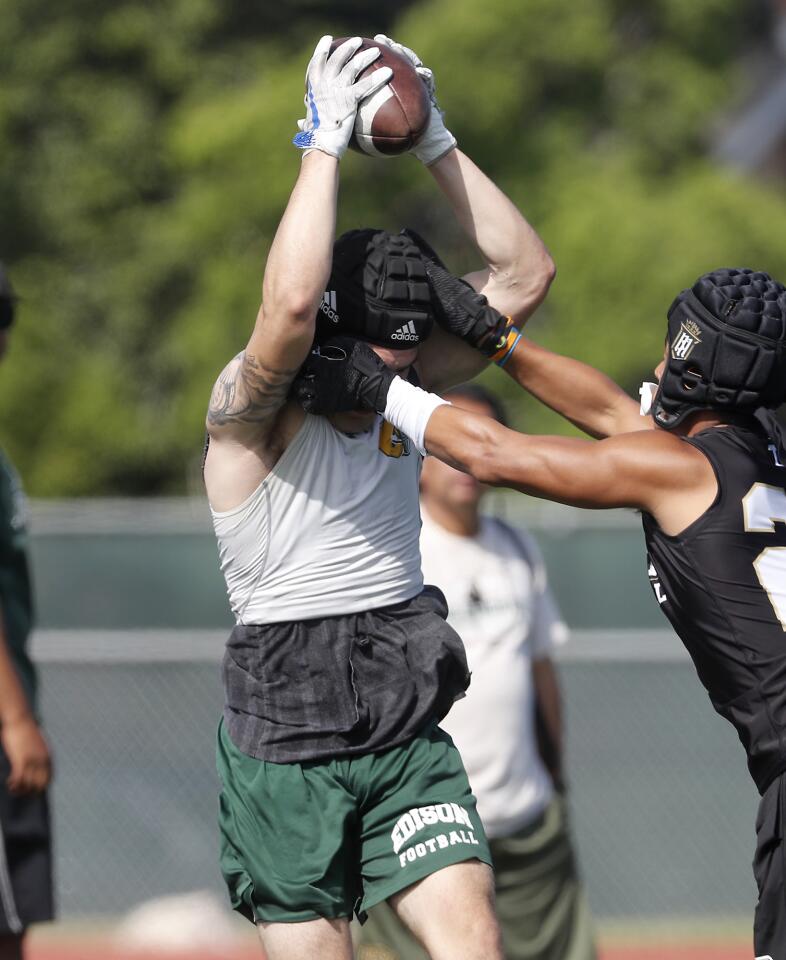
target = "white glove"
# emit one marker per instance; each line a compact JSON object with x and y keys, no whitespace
{"x":332,"y":95}
{"x":437,"y":140}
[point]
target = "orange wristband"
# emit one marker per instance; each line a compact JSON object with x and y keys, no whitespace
{"x":511,"y":340}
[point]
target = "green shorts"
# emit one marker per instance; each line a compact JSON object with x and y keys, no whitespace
{"x":541,"y":906}
{"x":322,"y":838}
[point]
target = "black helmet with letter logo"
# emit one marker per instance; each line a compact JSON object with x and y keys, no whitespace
{"x":726,"y":347}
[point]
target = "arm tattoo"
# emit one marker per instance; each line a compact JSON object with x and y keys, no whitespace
{"x":248,"y":392}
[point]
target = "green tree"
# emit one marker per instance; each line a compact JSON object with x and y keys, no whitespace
{"x":145,"y":159}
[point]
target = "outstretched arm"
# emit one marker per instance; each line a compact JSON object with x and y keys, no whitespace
{"x":578,"y":392}
{"x":649,"y":470}
{"x":519,"y":268}
{"x":253,"y":387}
{"x":515,"y":280}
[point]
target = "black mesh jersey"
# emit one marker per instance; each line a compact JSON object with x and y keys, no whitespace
{"x":722,"y":584}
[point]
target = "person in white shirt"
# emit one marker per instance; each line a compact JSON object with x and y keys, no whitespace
{"x":508,"y":728}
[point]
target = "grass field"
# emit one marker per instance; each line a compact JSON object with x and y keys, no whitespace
{"x":700,"y":940}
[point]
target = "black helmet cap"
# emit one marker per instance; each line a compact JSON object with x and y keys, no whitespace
{"x":378,"y":291}
{"x":726,"y":347}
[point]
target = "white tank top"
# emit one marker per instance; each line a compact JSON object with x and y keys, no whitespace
{"x":333,"y":529}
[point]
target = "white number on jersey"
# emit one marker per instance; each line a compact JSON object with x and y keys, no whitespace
{"x":762,"y":505}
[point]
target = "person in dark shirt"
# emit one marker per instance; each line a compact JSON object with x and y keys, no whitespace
{"x":25,"y":763}
{"x":703,"y":459}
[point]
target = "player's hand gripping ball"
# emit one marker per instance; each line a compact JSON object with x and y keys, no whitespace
{"x":437,"y":141}
{"x":393,"y":119}
{"x":334,"y":88}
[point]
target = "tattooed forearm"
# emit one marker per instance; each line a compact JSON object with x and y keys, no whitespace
{"x":248,"y":392}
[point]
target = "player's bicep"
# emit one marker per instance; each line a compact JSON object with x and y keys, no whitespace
{"x":254,"y":386}
{"x":633,"y":470}
{"x":585,"y":473}
{"x":247,"y":397}
{"x":643,"y":470}
{"x":281,"y":339}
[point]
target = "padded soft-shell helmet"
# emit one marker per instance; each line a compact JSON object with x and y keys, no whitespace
{"x":726,"y":347}
{"x":378,"y":291}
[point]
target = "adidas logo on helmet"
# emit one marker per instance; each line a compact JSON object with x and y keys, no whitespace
{"x":406,"y":332}
{"x":328,"y":305}
{"x":381,"y":283}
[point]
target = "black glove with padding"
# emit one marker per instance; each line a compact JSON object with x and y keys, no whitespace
{"x":458,"y":307}
{"x":342,"y":374}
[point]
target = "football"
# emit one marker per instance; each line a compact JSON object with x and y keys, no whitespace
{"x":392,"y":120}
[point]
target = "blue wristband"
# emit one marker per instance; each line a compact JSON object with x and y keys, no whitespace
{"x":503,"y":360}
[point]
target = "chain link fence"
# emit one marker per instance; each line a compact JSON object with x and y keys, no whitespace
{"x":663,"y":809}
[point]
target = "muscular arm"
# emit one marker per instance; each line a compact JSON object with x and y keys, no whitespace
{"x":518,"y":271}
{"x":253,"y":387}
{"x":247,"y":392}
{"x":642,"y":470}
{"x":22,"y":741}
{"x":519,"y":268}
{"x":578,"y":392}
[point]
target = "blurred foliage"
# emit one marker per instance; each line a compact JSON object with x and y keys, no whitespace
{"x":145,"y":159}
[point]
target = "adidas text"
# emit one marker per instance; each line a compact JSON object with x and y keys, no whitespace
{"x":328,"y":305}
{"x":406,"y":332}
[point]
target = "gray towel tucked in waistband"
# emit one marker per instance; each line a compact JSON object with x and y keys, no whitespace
{"x":342,"y":685}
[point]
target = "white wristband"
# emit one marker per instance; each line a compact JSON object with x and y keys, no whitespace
{"x":409,"y":409}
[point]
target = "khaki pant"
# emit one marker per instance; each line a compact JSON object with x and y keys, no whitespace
{"x":540,"y":902}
